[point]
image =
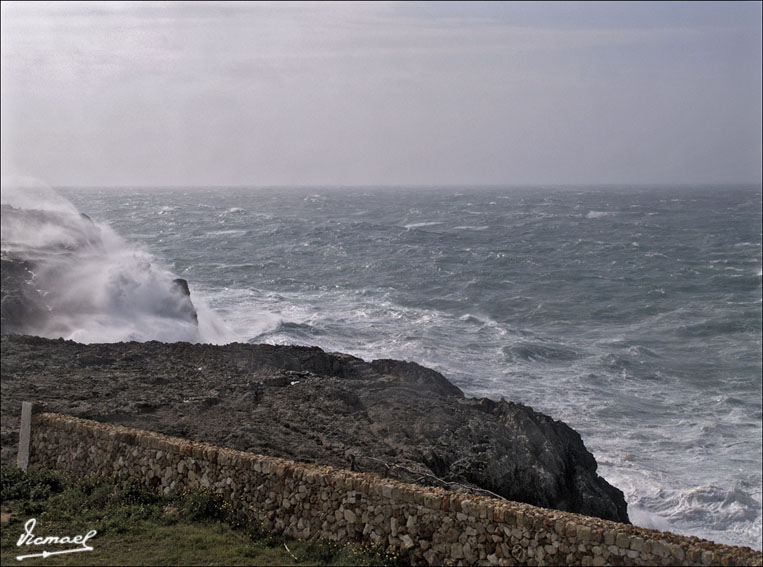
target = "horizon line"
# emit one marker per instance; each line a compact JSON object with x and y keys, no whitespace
{"x":412,"y":185}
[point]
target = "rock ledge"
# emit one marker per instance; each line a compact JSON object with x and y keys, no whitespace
{"x":387,"y":417}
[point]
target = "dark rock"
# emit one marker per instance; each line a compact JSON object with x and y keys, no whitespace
{"x":22,"y":306}
{"x":182,"y":285}
{"x":387,"y":417}
{"x":418,"y":376}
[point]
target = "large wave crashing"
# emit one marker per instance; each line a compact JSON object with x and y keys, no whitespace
{"x":64,"y":275}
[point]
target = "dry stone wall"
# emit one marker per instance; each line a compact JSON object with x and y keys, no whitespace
{"x":427,"y":525}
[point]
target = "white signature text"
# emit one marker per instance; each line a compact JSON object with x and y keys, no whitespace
{"x":28,"y":538}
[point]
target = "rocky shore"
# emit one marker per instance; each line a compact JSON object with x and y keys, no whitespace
{"x":388,"y":417}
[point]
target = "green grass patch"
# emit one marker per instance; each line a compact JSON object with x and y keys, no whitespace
{"x":137,"y":526}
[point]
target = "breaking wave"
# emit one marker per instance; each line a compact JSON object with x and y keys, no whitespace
{"x":66,"y":275}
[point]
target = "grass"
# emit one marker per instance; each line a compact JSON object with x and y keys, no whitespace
{"x":136,"y":526}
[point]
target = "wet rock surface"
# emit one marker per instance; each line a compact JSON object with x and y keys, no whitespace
{"x":388,"y":417}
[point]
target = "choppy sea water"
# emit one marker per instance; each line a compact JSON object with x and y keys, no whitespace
{"x":632,"y":314}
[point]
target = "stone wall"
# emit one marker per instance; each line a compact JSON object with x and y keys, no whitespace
{"x":426,"y":525}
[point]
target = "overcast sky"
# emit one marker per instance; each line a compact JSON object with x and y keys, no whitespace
{"x":381,"y":93}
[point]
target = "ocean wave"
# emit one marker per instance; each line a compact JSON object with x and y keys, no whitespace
{"x":730,"y":515}
{"x":598,"y":214}
{"x":421,"y":224}
{"x":233,"y":211}
{"x":539,"y":352}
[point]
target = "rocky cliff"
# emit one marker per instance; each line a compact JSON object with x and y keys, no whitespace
{"x":389,"y":417}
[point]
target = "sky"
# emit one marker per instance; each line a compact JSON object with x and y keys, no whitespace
{"x":381,"y":93}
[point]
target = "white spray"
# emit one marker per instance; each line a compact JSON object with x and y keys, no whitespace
{"x":65,"y":275}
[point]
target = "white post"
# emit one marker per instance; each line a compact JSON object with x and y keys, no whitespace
{"x":25,"y":435}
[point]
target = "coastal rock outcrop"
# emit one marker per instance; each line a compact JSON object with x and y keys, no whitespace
{"x":62,"y":272}
{"x":392,"y":418}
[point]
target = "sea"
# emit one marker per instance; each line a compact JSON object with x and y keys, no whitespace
{"x":631,"y":313}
